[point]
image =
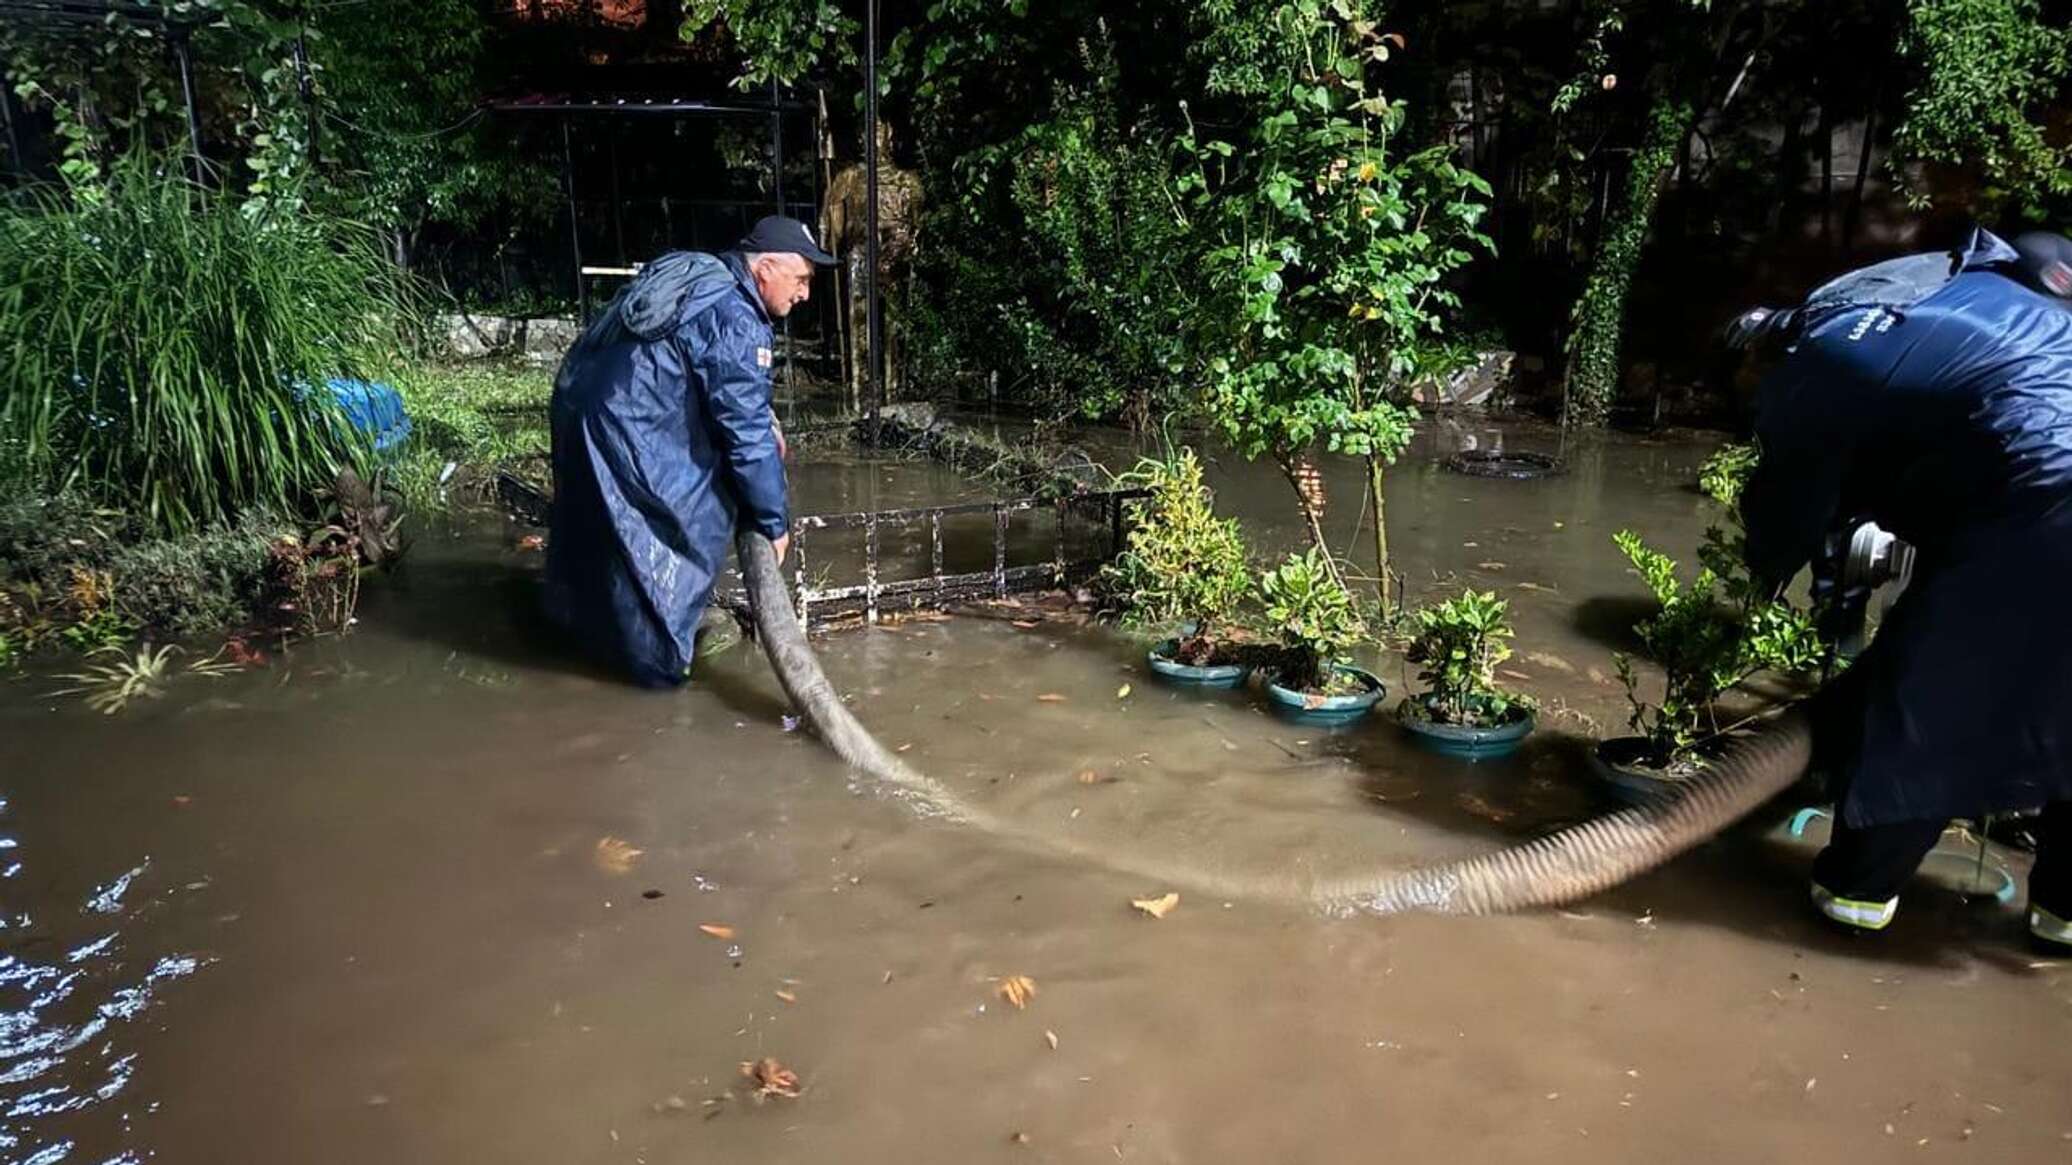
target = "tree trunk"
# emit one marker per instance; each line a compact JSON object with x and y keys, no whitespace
{"x":1381,"y":535}
{"x":1592,"y":381}
{"x":1308,"y":484}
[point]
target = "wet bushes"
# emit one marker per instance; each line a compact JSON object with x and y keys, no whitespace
{"x":166,"y":351}
{"x":90,"y":577}
{"x":1182,"y":563}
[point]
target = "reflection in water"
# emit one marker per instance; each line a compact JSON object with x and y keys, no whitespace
{"x":62,"y":1017}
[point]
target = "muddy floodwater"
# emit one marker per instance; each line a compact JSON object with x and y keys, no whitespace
{"x":434,"y":893}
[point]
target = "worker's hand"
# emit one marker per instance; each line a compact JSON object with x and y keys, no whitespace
{"x":783,"y":450}
{"x":781,"y":543}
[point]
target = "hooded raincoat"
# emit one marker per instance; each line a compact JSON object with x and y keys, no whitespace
{"x":663,"y":440}
{"x":1948,"y":421}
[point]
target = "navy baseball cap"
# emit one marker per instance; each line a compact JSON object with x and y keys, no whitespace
{"x":778,"y":233}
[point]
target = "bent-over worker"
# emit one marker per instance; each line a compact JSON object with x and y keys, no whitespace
{"x":1947,"y":420}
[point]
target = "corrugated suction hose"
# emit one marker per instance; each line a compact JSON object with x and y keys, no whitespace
{"x":1564,"y":866}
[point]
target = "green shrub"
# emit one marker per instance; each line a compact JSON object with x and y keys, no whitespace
{"x":1181,"y":561}
{"x":1723,"y":474}
{"x":1707,"y":635}
{"x":93,"y":578}
{"x":199,"y":584}
{"x":1459,"y":643}
{"x":480,"y":417}
{"x":1314,"y":616}
{"x":167,"y":352}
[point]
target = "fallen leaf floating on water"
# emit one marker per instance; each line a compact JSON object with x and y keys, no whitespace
{"x":1157,"y":907}
{"x":1489,"y":566}
{"x":1050,"y":698}
{"x":616,"y":855}
{"x":1026,"y":624}
{"x":786,"y":996}
{"x":1123,"y":692}
{"x":771,"y":1078}
{"x":1018,"y":990}
{"x":717,"y":930}
{"x":1051,"y":1038}
{"x":1020,"y":1138}
{"x":1090,"y":777}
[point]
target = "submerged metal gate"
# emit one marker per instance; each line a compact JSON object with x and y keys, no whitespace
{"x":1098,"y":512}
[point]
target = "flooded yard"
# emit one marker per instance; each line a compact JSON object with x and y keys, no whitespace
{"x":439,"y":891}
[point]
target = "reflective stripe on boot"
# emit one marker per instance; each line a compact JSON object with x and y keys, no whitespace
{"x":1855,"y":912}
{"x":2049,"y":927}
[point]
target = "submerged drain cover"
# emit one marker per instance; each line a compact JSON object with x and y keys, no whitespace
{"x":1492,"y":463}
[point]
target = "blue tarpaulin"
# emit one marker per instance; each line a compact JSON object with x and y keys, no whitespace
{"x":1948,"y":421}
{"x":373,"y":408}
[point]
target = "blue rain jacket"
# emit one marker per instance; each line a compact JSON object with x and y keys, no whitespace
{"x":1948,"y":421}
{"x":663,"y":439}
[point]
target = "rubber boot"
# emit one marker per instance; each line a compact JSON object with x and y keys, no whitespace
{"x":1859,"y":913}
{"x":718,"y":631}
{"x":2052,"y":934}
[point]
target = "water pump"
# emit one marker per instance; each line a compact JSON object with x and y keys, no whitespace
{"x":1860,"y":557}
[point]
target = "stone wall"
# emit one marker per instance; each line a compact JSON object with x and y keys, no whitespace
{"x":539,"y":341}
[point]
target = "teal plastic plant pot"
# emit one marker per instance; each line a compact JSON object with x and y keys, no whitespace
{"x":1466,"y":741}
{"x":1618,"y":765}
{"x":1328,"y":711}
{"x":1221,"y":675}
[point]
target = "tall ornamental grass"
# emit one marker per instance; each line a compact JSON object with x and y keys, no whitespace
{"x":165,"y":353}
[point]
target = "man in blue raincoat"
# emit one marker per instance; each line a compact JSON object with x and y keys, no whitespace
{"x":664,"y":441}
{"x":1947,"y":420}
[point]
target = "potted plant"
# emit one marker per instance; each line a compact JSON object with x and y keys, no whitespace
{"x":1462,"y":712}
{"x":1315,"y":683}
{"x":1707,"y":636}
{"x":1183,"y":565}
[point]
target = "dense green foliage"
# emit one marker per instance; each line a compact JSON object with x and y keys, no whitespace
{"x":1314,"y":616}
{"x":1457,"y":645}
{"x":1723,"y":474}
{"x":476,"y":418}
{"x":776,"y":40}
{"x":1330,"y":240}
{"x":1989,"y":70}
{"x":1599,"y":322}
{"x":1181,"y":562}
{"x":113,"y":89}
{"x":89,"y":577}
{"x":405,"y":143}
{"x":368,"y":109}
{"x":167,"y":352}
{"x":1070,"y":230}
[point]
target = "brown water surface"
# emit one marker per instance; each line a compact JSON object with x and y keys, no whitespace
{"x":352,"y":907}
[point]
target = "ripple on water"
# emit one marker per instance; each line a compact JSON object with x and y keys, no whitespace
{"x":63,"y":1019}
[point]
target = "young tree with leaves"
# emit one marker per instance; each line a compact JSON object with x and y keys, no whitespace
{"x":1331,"y":241}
